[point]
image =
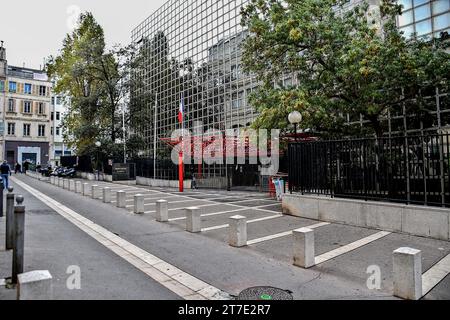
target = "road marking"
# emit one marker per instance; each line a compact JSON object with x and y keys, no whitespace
{"x":224,"y":226}
{"x":284,"y":234}
{"x":175,"y":209}
{"x":350,"y":247}
{"x":208,"y":214}
{"x":170,"y":202}
{"x":435,"y":275}
{"x":169,"y":276}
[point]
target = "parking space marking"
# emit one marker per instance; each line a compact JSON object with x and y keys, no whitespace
{"x":224,"y":226}
{"x":350,"y":247}
{"x":435,"y":275}
{"x":208,"y":214}
{"x":154,"y":204}
{"x":284,"y":234}
{"x":181,"y":283}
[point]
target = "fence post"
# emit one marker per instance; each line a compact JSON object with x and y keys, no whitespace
{"x":237,"y":233}
{"x":162,"y":214}
{"x":107,"y":195}
{"x":10,"y":219}
{"x":121,"y":198}
{"x":19,"y":237}
{"x":139,"y":204}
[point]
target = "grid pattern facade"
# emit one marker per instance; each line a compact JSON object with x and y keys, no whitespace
{"x":191,"y":51}
{"x":424,"y":18}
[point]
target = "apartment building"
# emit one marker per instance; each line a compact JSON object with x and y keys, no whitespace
{"x":25,"y":115}
{"x":59,"y":147}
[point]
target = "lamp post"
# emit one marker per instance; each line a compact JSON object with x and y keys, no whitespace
{"x":295,"y":118}
{"x":98,"y":144}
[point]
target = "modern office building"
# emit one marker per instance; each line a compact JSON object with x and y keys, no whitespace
{"x":25,"y":114}
{"x":191,"y":51}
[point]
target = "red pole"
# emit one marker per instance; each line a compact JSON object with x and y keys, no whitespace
{"x":181,"y":171}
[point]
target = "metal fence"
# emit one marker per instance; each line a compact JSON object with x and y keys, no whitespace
{"x":411,"y":170}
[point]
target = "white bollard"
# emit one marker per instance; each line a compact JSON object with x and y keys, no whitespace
{"x":407,"y":269}
{"x":93,"y":190}
{"x":78,"y":188}
{"x":304,"y":252}
{"x":85,"y":189}
{"x":60,"y":182}
{"x":193,"y":220}
{"x":139,"y":204}
{"x":71,"y":185}
{"x":106,"y":195}
{"x":121,"y":199}
{"x":237,"y":232}
{"x":52,"y":180}
{"x":66,"y":184}
{"x":162,"y":212}
{"x":34,"y":285}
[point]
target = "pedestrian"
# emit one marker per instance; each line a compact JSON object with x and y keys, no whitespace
{"x":5,"y":171}
{"x":18,"y":168}
{"x":25,"y":166}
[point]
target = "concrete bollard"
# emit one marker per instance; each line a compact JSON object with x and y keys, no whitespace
{"x":162,"y":212}
{"x":78,"y":187}
{"x":304,"y":252}
{"x":121,"y":198}
{"x":60,"y":182}
{"x":139,"y":204}
{"x":237,"y":232}
{"x":85,"y":189}
{"x":9,"y":245}
{"x":93,"y":190}
{"x":19,"y":237}
{"x":71,"y":185}
{"x":193,"y":220}
{"x":52,"y":180}
{"x":35,"y":285}
{"x":66,"y":184}
{"x":407,"y":269}
{"x":107,"y":195}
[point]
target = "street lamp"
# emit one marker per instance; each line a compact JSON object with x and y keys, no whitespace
{"x":295,"y":118}
{"x":98,"y":144}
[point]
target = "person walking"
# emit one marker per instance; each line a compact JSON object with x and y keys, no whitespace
{"x":5,"y":171}
{"x":18,"y":168}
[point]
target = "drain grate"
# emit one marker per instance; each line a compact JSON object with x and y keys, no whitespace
{"x":265,"y":293}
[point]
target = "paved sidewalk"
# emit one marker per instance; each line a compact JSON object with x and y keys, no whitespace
{"x":52,"y":243}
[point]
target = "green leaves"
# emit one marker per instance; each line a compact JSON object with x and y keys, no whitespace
{"x":343,"y":62}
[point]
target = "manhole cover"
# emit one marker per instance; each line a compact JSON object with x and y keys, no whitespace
{"x":264,"y":293}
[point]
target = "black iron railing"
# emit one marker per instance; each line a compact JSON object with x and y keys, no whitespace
{"x":412,"y":170}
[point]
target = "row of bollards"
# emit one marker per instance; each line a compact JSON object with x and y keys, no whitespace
{"x":407,"y":264}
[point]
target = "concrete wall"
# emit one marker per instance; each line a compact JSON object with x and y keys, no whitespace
{"x":416,"y":220}
{"x":161,"y":183}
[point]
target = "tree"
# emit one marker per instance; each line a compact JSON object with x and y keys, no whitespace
{"x":96,"y":84}
{"x":347,"y":61}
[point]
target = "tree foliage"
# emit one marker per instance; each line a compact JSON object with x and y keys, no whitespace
{"x":347,"y":61}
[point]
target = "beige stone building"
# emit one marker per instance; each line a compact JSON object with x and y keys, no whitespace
{"x":25,"y":114}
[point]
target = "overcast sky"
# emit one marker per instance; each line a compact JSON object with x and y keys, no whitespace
{"x":33,"y":30}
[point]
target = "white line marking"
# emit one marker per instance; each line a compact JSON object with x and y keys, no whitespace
{"x":208,"y":214}
{"x":350,"y":247}
{"x":284,"y":234}
{"x":224,"y":226}
{"x":169,"y":276}
{"x":435,"y":275}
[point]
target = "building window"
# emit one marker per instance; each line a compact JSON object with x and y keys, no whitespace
{"x":52,"y":130}
{"x":12,"y":87}
{"x":58,"y":115}
{"x":57,"y":131}
{"x":11,"y":128}
{"x":11,"y":105}
{"x":26,"y":130}
{"x":52,"y":116}
{"x":58,"y":100}
{"x":41,"y":108}
{"x":27,"y":107}
{"x":41,"y":130}
{"x":42,"y":90}
{"x":2,"y":85}
{"x":27,"y":88}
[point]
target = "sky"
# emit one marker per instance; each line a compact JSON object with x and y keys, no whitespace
{"x":33,"y":30}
